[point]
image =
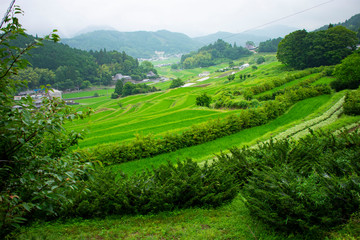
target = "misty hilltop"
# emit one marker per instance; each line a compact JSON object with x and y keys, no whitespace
{"x":140,"y":44}
{"x":143,"y":44}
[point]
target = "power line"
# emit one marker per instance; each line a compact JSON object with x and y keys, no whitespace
{"x":279,"y":19}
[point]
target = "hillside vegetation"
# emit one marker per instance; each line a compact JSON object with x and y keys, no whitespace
{"x":233,"y":153}
{"x":67,"y":68}
{"x":139,"y":44}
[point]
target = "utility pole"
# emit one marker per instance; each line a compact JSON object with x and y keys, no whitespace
{"x":7,"y":12}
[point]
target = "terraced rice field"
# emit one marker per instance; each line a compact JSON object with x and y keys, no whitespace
{"x":156,"y":113}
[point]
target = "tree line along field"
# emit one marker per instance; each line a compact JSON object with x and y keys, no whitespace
{"x":174,"y":111}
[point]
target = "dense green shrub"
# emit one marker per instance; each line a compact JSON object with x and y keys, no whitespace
{"x":306,"y":186}
{"x":177,"y":83}
{"x":114,"y":96}
{"x":203,"y":100}
{"x":166,"y":188}
{"x":260,"y":60}
{"x":347,"y":73}
{"x":352,"y":103}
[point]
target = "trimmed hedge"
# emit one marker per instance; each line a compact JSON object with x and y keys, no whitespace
{"x":166,"y":188}
{"x":306,"y":187}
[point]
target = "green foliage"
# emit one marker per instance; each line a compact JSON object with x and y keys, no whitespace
{"x":270,"y":45}
{"x":231,"y":77}
{"x":203,"y":100}
{"x":299,"y":187}
{"x":140,"y":44}
{"x":114,"y":96}
{"x":37,"y":173}
{"x":209,"y":55}
{"x":260,"y":60}
{"x":176,"y":83}
{"x":301,"y":49}
{"x":68,"y":68}
{"x":352,"y":103}
{"x":353,"y":24}
{"x":174,"y":66}
{"x":131,"y":89}
{"x":347,"y":73}
{"x":309,"y":186}
{"x":166,"y":188}
{"x":119,"y":87}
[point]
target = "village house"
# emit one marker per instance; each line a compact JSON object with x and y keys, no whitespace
{"x":37,"y":95}
{"x":151,"y":74}
{"x":119,"y":76}
{"x":204,"y":74}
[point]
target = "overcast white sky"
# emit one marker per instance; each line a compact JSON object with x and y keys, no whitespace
{"x":192,"y":17}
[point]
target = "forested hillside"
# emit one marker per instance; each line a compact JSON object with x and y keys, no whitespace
{"x":352,"y":23}
{"x":139,"y":44}
{"x":270,"y":45}
{"x":212,"y":54}
{"x":302,"y":49}
{"x":67,"y":68}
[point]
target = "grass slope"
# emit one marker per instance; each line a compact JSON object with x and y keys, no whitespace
{"x":228,"y":222}
{"x":246,"y":137}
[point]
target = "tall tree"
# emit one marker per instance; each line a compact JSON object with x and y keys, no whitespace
{"x":291,"y":50}
{"x":301,"y":49}
{"x":119,"y":87}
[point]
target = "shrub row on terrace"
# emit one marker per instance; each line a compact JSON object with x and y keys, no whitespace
{"x":166,"y":188}
{"x":229,"y":98}
{"x":305,"y":187}
{"x":277,"y":82}
{"x":149,"y":146}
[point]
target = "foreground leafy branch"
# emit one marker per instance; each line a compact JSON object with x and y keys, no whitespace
{"x":37,"y":172}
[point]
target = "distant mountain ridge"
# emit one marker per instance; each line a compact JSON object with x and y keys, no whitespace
{"x":256,"y":35}
{"x":143,"y":44}
{"x":140,"y":44}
